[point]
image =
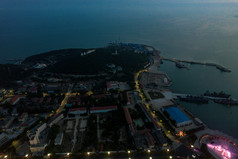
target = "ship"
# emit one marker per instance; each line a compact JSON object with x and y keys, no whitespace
{"x":228,"y":101}
{"x":215,"y":94}
{"x":194,"y":99}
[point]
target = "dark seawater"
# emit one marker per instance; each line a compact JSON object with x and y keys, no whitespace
{"x":187,"y":29}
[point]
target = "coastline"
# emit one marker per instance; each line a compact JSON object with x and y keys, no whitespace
{"x":201,"y":134}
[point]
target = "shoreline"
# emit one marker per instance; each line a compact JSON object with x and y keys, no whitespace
{"x":206,"y":131}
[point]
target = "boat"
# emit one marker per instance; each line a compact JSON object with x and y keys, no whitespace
{"x":215,"y":94}
{"x":228,"y":101}
{"x":194,"y":99}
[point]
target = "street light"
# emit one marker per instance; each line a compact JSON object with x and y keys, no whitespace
{"x":128,"y":151}
{"x":68,"y":154}
{"x":170,"y":157}
{"x":26,"y":155}
{"x":48,"y":154}
{"x":88,"y":153}
{"x":148,"y":151}
{"x":108,"y":152}
{"x":5,"y":156}
{"x":192,"y":146}
{"x":167,"y":150}
{"x":150,"y":157}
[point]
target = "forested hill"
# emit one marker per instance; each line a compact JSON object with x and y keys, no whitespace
{"x":88,"y":61}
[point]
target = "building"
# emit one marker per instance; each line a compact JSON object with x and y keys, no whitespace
{"x":23,"y":117}
{"x":3,"y":139}
{"x":14,"y":112}
{"x":102,"y":109}
{"x":129,"y":121}
{"x":159,"y":138}
{"x":38,"y":147}
{"x":59,"y":138}
{"x":33,"y":90}
{"x":77,"y":111}
{"x":8,"y":122}
{"x":55,"y":119}
{"x":117,"y":85}
{"x":34,"y":134}
{"x":16,"y":99}
{"x":178,"y":116}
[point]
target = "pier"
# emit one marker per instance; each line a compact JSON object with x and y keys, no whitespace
{"x":180,"y":65}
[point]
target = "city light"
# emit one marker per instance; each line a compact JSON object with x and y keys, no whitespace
{"x":5,"y":156}
{"x":68,"y":154}
{"x":192,"y":146}
{"x":26,"y":155}
{"x":148,"y":151}
{"x":150,"y":157}
{"x":108,"y":152}
{"x":129,"y":152}
{"x":88,"y":153}
{"x":170,"y":157}
{"x":48,"y":154}
{"x":220,"y":150}
{"x":167,"y":150}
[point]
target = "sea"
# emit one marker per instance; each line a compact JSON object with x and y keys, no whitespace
{"x":200,"y":30}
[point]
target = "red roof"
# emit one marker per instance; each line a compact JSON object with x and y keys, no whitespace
{"x":15,"y":98}
{"x":77,"y":109}
{"x":33,"y":89}
{"x":103,"y":108}
{"x":150,"y":139}
{"x":98,"y":96}
{"x":128,"y":116}
{"x":22,"y":116}
{"x":129,"y":120}
{"x":128,"y":99}
{"x":109,"y":84}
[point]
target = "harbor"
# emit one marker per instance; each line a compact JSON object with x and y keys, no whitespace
{"x":179,"y":64}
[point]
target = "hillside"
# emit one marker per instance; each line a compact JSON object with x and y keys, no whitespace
{"x":74,"y":61}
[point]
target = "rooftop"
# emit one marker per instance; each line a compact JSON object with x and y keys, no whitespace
{"x":176,"y":114}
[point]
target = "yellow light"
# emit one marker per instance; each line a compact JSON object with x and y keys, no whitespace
{"x":167,"y":150}
{"x":170,"y":157}
{"x":48,"y":154}
{"x":192,"y":146}
{"x":26,"y":155}
{"x":68,"y":154}
{"x":150,"y":157}
{"x":148,"y":151}
{"x":168,"y":131}
{"x":5,"y":156}
{"x":129,"y":152}
{"x":88,"y":153}
{"x":108,"y":152}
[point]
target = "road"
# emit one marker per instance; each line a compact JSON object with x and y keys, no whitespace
{"x":176,"y":143}
{"x":64,"y":101}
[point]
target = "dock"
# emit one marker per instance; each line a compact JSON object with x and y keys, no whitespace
{"x":180,"y":65}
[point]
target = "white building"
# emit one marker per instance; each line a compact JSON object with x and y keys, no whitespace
{"x":33,"y":135}
{"x":59,"y":138}
{"x":55,"y":119}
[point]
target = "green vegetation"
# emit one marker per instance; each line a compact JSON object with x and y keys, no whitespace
{"x":96,"y":62}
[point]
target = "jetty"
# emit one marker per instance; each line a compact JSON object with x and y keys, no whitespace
{"x":180,"y":65}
